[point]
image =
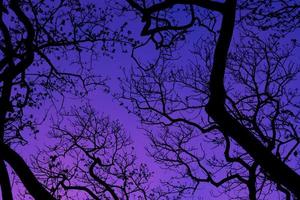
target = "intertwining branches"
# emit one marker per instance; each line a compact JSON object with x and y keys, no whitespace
{"x":163,"y":24}
{"x":93,"y":158}
{"x":241,"y":99}
{"x":175,"y":98}
{"x":35,"y":37}
{"x":278,"y":15}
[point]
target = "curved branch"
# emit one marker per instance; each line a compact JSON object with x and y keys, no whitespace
{"x":30,"y":182}
{"x":278,"y":171}
{"x":82,"y":188}
{"x":104,"y":184}
{"x":5,"y":182}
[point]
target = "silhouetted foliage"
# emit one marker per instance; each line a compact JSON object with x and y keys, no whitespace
{"x":38,"y":40}
{"x":94,"y":157}
{"x":229,"y":117}
{"x":235,"y":97}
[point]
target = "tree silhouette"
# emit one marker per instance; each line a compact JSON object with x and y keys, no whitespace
{"x":276,"y":15}
{"x":238,"y":94}
{"x":94,"y":155}
{"x":244,"y":93}
{"x":175,"y":97}
{"x":35,"y":36}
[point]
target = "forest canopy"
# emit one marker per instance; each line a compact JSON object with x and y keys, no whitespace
{"x":212,"y":86}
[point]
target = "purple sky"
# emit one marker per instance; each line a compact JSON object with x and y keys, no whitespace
{"x":105,"y":103}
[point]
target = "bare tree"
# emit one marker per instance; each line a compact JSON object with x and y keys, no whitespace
{"x":243,"y":94}
{"x":93,"y":156}
{"x":35,"y":35}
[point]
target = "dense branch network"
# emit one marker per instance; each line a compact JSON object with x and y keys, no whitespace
{"x":240,"y":99}
{"x":93,"y":159}
{"x":37,"y":38}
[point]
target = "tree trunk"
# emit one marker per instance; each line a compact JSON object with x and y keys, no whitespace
{"x":275,"y":169}
{"x":4,"y":181}
{"x":33,"y":186}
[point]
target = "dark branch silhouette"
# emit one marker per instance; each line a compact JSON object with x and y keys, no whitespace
{"x":95,"y":157}
{"x":253,"y":123}
{"x":35,"y":37}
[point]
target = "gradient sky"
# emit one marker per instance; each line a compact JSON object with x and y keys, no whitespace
{"x":105,"y":103}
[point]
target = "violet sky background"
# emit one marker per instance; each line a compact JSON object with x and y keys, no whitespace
{"x":105,"y":103}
